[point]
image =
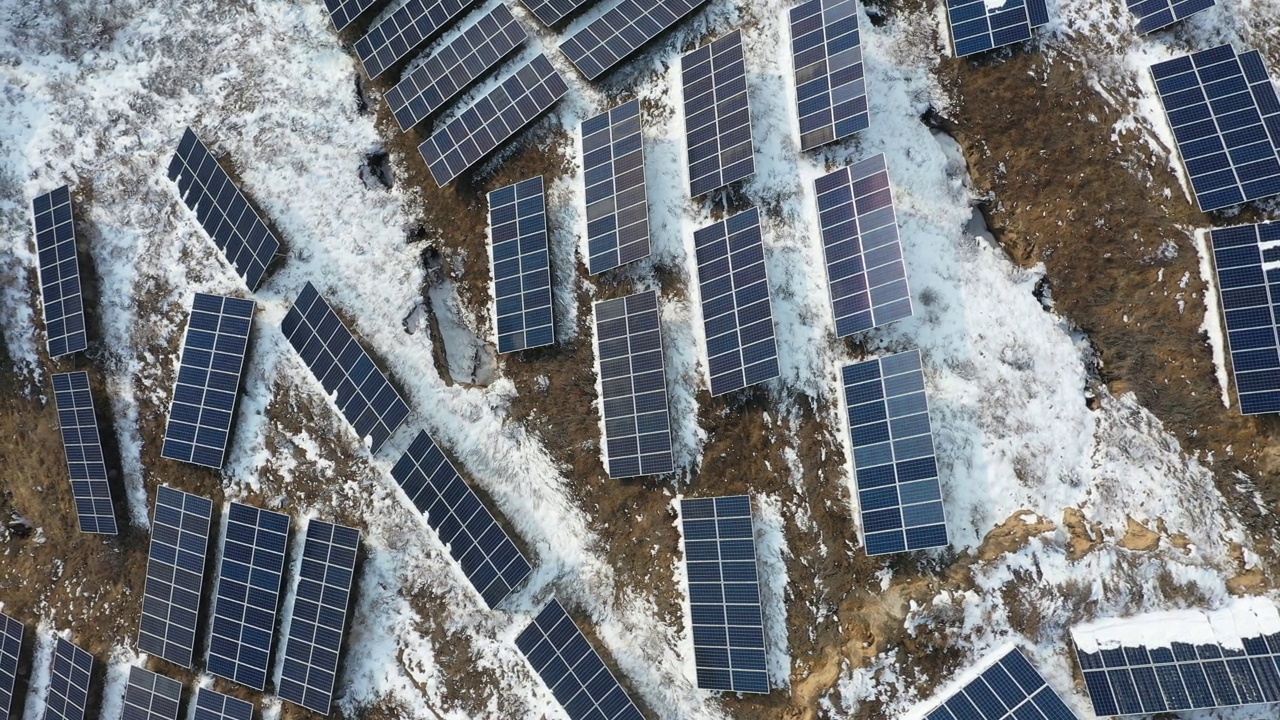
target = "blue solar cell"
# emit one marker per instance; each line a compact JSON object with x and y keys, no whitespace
{"x":552,"y":12}
{"x":615,"y":35}
{"x":412,"y":24}
{"x":175,"y":575}
{"x":637,"y":436}
{"x":826,"y":52}
{"x":82,"y":448}
{"x":717,"y":115}
{"x":149,"y":696}
{"x":1245,"y":291}
{"x":69,"y":675}
{"x":1151,"y":15}
{"x":11,"y":632}
{"x":520,"y":263}
{"x":59,"y":273}
{"x":978,"y":25}
{"x":213,"y":705}
{"x":344,"y":12}
{"x":617,"y":200}
{"x":1008,"y":688}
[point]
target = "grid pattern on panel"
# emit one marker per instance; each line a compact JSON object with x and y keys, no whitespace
{"x":493,"y":119}
{"x":344,"y":12}
{"x":571,"y":668}
{"x":1009,"y":689}
{"x":222,"y":210}
{"x":244,"y":607}
{"x":615,"y":35}
{"x":149,"y":696}
{"x":551,"y":12}
{"x":617,"y":201}
{"x":11,"y":632}
{"x":866,"y":277}
{"x":637,"y":426}
{"x":175,"y":575}
{"x":59,"y":270}
{"x":82,"y":447}
{"x":345,"y":370}
{"x":1247,"y":260}
{"x":976,"y":26}
{"x":1223,"y":111}
{"x":404,"y":30}
{"x":487,"y":554}
{"x":717,"y":115}
{"x":826,"y":50}
{"x":899,"y":499}
{"x":453,"y":68}
{"x":1155,"y":14}
{"x":724,"y":594}
{"x":213,"y":705}
{"x":68,"y":682}
{"x":520,"y":261}
{"x":204,"y":397}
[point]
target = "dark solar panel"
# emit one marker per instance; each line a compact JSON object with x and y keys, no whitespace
{"x":69,"y":678}
{"x":11,"y":632}
{"x":717,"y":115}
{"x":521,"y":266}
{"x":149,"y":696}
{"x":412,"y":24}
{"x":980,"y":25}
{"x":617,"y":202}
{"x":826,"y":52}
{"x":637,"y":427}
{"x":175,"y":575}
{"x":615,"y":35}
{"x":223,"y":211}
{"x":213,"y":705}
{"x":1155,"y":14}
{"x":345,"y":370}
{"x":1009,"y":689}
{"x":1249,"y":288}
{"x":572,"y":669}
{"x":485,"y":552}
{"x":204,"y":396}
{"x":899,"y":499}
{"x":343,"y":12}
{"x":492,"y":120}
{"x":551,"y":12}
{"x":83,"y":450}
{"x":59,"y":270}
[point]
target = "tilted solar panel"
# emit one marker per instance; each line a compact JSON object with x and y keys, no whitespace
{"x":213,"y":705}
{"x":149,"y":696}
{"x":899,"y":499}
{"x":344,"y":12}
{"x":412,"y":24}
{"x":615,"y":35}
{"x":617,"y":201}
{"x":826,"y":52}
{"x":175,"y":575}
{"x":11,"y":632}
{"x":572,"y":670}
{"x":83,"y":450}
{"x":59,"y":270}
{"x":1155,"y":14}
{"x":717,"y":115}
{"x":492,"y":120}
{"x":488,"y":556}
{"x":69,"y":676}
{"x":980,"y":25}
{"x":1010,"y":688}
{"x":1247,"y":260}
{"x":1264,"y":93}
{"x":347,"y":372}
{"x":551,"y":12}
{"x":521,"y":264}
{"x":223,"y":211}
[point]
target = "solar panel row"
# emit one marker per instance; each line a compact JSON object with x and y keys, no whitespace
{"x":69,"y":676}
{"x":521,"y":265}
{"x":826,"y":50}
{"x":978,"y":25}
{"x":617,"y":201}
{"x":1247,"y":260}
{"x":175,"y":575}
{"x":551,"y":12}
{"x":11,"y":632}
{"x":717,"y":115}
{"x":1009,"y":689}
{"x":213,"y":705}
{"x":344,"y":12}
{"x":615,"y":35}
{"x":149,"y":696}
{"x":1155,"y":14}
{"x":59,"y":272}
{"x":82,"y":447}
{"x":412,"y":24}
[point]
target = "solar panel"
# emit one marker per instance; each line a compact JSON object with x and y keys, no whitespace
{"x":633,"y":400}
{"x":1155,"y":14}
{"x":736,"y":311}
{"x":149,"y":696}
{"x":204,"y":395}
{"x":521,"y":266}
{"x":244,"y":604}
{"x":488,"y":556}
{"x":717,"y":115}
{"x":1245,"y":258}
{"x":175,"y":575}
{"x":896,"y":472}
{"x":344,"y":12}
{"x":981,"y":25}
{"x":572,"y":669}
{"x":826,"y":52}
{"x":492,"y":120}
{"x":551,"y":12}
{"x":615,"y":35}
{"x":223,"y":211}
{"x":412,"y":24}
{"x":866,"y":278}
{"x":724,"y":594}
{"x":617,"y":202}
{"x":319,"y":615}
{"x":363,"y":393}
{"x":59,"y":271}
{"x":69,"y":677}
{"x":83,"y":449}
{"x":1010,"y":688}
{"x":11,"y":632}
{"x":213,"y":705}
{"x":453,"y":68}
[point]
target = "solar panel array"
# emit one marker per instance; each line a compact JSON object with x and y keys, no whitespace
{"x":486,"y":553}
{"x":319,"y":615}
{"x":59,"y":269}
{"x":899,"y":499}
{"x":244,"y":606}
{"x":149,"y":696}
{"x":637,"y":427}
{"x":82,"y":447}
{"x":453,"y":68}
{"x":572,"y":669}
{"x":826,"y":52}
{"x":223,"y":211}
{"x":344,"y":12}
{"x":717,"y":115}
{"x":69,"y":678}
{"x":521,"y":266}
{"x":1247,"y":259}
{"x":11,"y":632}
{"x":615,"y":35}
{"x":1155,"y":14}
{"x":213,"y":705}
{"x":866,"y":277}
{"x":175,"y":575}
{"x":978,"y":26}
{"x":345,"y":370}
{"x":1009,"y":689}
{"x":1226,"y":120}
{"x":404,"y":30}
{"x":551,"y":12}
{"x":204,"y":396}
{"x":493,"y":119}
{"x":617,"y":201}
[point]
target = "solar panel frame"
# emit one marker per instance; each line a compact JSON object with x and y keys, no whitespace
{"x":976,"y":27}
{"x":1009,"y":688}
{"x":149,"y":696}
{"x":345,"y":12}
{"x":717,"y":110}
{"x":826,"y":55}
{"x":70,"y":672}
{"x":617,"y":202}
{"x":1247,"y":291}
{"x":11,"y":635}
{"x":552,"y":12}
{"x":1152,"y":15}
{"x":404,"y":30}
{"x":520,"y":262}
{"x":58,"y":269}
{"x":82,"y":448}
{"x":213,"y":705}
{"x":176,"y":559}
{"x":617,"y":34}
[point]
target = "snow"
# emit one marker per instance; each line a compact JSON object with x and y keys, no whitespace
{"x":1212,"y":326}
{"x":1227,"y":626}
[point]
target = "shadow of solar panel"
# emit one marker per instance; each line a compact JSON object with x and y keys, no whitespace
{"x":551,"y":12}
{"x":11,"y":632}
{"x":208,"y":384}
{"x":213,"y":705}
{"x":826,"y":52}
{"x":485,"y":552}
{"x":1248,"y":287}
{"x":82,"y":448}
{"x":1010,"y":688}
{"x":633,"y":383}
{"x":59,"y":271}
{"x":521,"y":266}
{"x":345,"y":370}
{"x":149,"y":696}
{"x":412,"y":24}
{"x":978,"y":26}
{"x":717,"y":115}
{"x":617,"y":201}
{"x":571,"y":669}
{"x":344,"y":12}
{"x":69,"y":676}
{"x":492,"y":120}
{"x":1155,"y":14}
{"x":899,"y":500}
{"x":615,"y":35}
{"x":175,"y":575}
{"x":248,"y":592}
